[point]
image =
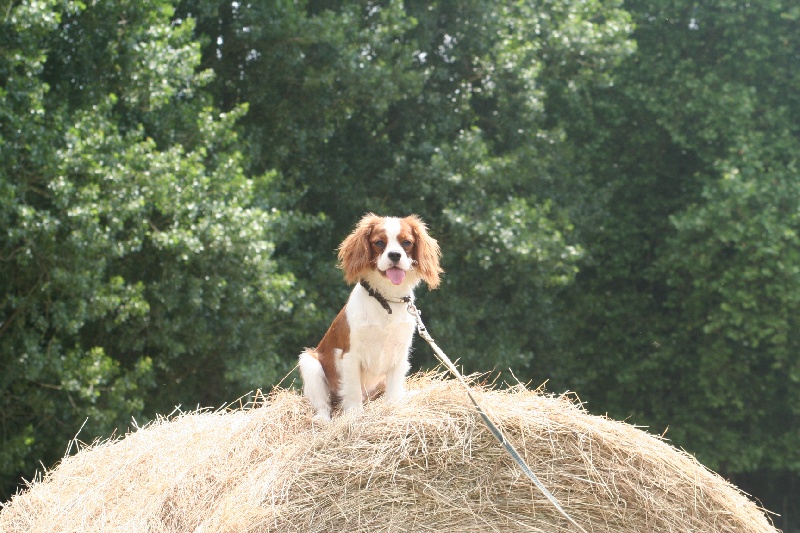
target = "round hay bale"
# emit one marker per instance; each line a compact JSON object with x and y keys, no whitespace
{"x":426,"y":464}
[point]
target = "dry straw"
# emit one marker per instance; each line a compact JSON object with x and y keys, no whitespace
{"x":428,"y":464}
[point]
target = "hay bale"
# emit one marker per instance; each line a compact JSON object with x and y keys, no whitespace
{"x":428,"y":464}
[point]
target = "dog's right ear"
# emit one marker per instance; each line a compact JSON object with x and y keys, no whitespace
{"x":355,"y":257}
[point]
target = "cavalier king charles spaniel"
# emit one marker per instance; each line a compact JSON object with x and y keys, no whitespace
{"x":367,"y":346}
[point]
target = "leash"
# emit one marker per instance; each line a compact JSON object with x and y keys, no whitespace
{"x":423,"y":332}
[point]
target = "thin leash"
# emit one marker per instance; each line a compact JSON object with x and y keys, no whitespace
{"x":498,"y":434}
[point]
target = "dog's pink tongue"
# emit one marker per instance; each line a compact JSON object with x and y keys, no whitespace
{"x":396,"y":275}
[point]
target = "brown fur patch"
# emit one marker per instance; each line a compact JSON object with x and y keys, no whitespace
{"x":336,"y":338}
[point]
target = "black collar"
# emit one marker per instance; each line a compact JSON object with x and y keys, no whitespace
{"x":381,"y":298}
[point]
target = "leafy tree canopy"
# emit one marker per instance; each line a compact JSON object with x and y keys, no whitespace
{"x":135,"y":256}
{"x":614,"y":185}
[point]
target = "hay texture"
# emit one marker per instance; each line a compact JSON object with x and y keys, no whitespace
{"x":428,"y":464}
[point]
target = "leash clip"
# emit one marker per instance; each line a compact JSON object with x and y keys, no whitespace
{"x":421,"y":329}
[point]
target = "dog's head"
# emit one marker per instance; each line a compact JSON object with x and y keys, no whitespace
{"x":398,"y":249}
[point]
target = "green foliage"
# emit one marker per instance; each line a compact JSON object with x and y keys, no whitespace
{"x":614,"y":186}
{"x":137,"y":270}
{"x":686,"y":301}
{"x":433,"y":108}
{"x":736,"y":283}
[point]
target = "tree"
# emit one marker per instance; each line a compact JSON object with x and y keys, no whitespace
{"x":684,"y":311}
{"x":617,"y":206}
{"x":137,"y":269}
{"x":433,"y":108}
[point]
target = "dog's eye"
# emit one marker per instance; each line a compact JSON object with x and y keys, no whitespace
{"x":406,"y":243}
{"x":380,"y":244}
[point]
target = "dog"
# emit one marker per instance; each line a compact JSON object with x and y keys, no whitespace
{"x":367,"y":346}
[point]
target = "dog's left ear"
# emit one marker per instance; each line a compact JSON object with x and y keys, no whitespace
{"x":354,"y":252}
{"x":426,"y":252}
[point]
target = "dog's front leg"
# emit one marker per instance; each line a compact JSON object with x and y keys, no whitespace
{"x":350,"y":376}
{"x":396,"y":381}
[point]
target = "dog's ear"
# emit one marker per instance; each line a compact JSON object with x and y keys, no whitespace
{"x":354,"y":252}
{"x":426,"y":252}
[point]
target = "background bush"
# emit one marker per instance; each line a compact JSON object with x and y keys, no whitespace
{"x":614,"y":185}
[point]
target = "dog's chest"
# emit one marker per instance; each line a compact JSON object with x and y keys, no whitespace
{"x":381,"y":340}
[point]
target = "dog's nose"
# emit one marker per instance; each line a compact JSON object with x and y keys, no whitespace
{"x":394,"y":256}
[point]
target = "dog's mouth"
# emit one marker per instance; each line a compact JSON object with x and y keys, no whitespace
{"x":395,"y":275}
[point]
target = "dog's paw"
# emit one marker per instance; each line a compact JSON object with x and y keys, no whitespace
{"x":353,"y":410}
{"x":322,"y":418}
{"x":401,"y":397}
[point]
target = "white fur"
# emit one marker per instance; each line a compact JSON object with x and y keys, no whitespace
{"x":392,"y":227}
{"x":379,"y":341}
{"x":315,"y":387}
{"x":379,"y":346}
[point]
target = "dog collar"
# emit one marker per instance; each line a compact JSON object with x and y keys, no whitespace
{"x":383,"y":300}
